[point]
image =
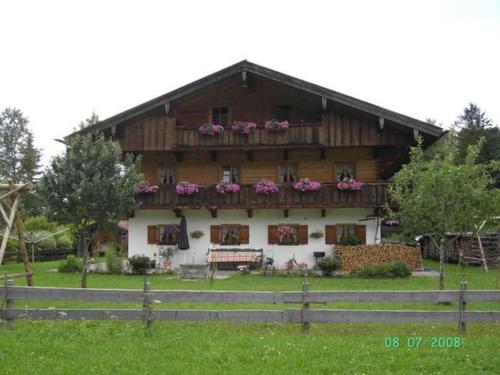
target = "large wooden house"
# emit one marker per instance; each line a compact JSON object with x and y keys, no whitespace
{"x":330,"y":137}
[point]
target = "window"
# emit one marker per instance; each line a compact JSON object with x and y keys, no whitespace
{"x":288,"y":173}
{"x":168,"y":234}
{"x":220,"y":116}
{"x":282,"y":112}
{"x":231,"y":174}
{"x":167,"y":175}
{"x":345,"y":172}
{"x":344,"y":231}
{"x":287,"y":234}
{"x":230,"y":234}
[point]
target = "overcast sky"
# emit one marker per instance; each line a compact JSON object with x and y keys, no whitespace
{"x":61,"y":60}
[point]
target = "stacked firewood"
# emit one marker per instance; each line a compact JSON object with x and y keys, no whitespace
{"x":355,"y":257}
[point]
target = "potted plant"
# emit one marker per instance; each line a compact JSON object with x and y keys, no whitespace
{"x":186,"y":188}
{"x":306,"y":185}
{"x":210,"y":129}
{"x":316,"y":234}
{"x":227,"y":187}
{"x":243,"y":127}
{"x":197,"y":234}
{"x":350,"y":185}
{"x":328,"y":265}
{"x":266,"y":187}
{"x":145,"y":188}
{"x":276,"y":125}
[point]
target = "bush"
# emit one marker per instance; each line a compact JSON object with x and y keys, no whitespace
{"x":113,"y":259}
{"x":351,"y":241}
{"x":328,"y":265}
{"x":39,"y":223}
{"x":70,"y":265}
{"x":140,"y":264}
{"x":48,"y":243}
{"x":65,"y":241}
{"x":380,"y":271}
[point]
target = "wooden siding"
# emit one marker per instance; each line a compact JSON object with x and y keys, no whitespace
{"x":371,"y":195}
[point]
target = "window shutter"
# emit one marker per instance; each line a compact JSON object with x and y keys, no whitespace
{"x":244,"y":234}
{"x":361,"y":233}
{"x":152,"y":234}
{"x":215,"y":234}
{"x":302,"y":234}
{"x":272,"y":234}
{"x":330,"y":234}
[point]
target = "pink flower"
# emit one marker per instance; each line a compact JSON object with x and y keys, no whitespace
{"x":350,"y":185}
{"x":306,"y":184}
{"x":186,"y":188}
{"x":243,"y":127}
{"x":146,"y":189}
{"x":266,"y":187}
{"x":276,"y":125}
{"x":226,"y":187}
{"x":210,"y":129}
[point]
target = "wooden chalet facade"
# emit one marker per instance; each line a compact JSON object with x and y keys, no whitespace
{"x":329,"y":133}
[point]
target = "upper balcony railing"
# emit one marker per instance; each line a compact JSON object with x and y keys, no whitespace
{"x":295,"y":135}
{"x":371,"y":195}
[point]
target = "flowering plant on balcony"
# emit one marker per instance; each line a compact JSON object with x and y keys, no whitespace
{"x":226,"y":187}
{"x":350,"y":185}
{"x":186,"y":188}
{"x":305,"y":184}
{"x":266,"y":187}
{"x":145,"y":188}
{"x":243,"y":127}
{"x":210,"y":129}
{"x":276,"y":125}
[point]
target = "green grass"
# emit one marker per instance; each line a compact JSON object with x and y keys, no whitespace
{"x":65,"y":347}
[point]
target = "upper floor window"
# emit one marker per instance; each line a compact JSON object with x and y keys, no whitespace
{"x":288,"y":173}
{"x":220,"y":116}
{"x":167,"y":175}
{"x":231,"y":174}
{"x":345,"y":172}
{"x":282,"y":112}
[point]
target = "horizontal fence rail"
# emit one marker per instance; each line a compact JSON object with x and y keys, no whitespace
{"x":10,"y":293}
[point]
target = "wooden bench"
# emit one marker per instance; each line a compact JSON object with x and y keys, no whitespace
{"x":226,"y":258}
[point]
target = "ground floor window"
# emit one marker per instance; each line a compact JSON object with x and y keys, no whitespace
{"x":346,"y":234}
{"x":229,"y":234}
{"x":287,"y":234}
{"x":163,"y":234}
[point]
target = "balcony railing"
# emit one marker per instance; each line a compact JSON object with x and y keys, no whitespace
{"x":371,"y":195}
{"x":295,"y":135}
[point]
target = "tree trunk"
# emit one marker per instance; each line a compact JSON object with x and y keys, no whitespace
{"x":441,"y":263}
{"x":23,"y":250}
{"x":83,"y":282}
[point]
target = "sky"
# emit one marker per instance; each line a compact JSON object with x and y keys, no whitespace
{"x":61,"y":60}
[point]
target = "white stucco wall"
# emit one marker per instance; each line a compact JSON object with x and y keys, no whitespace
{"x":201,"y":220}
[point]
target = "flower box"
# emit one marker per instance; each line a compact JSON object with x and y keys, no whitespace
{"x":305,"y":185}
{"x":210,"y":129}
{"x":146,"y":189}
{"x":276,"y":125}
{"x":186,"y":188}
{"x":350,"y":185}
{"x":226,"y":187}
{"x":243,"y":127}
{"x":266,"y":187}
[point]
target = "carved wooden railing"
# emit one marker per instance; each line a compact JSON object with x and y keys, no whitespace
{"x":371,"y":195}
{"x":296,"y":134}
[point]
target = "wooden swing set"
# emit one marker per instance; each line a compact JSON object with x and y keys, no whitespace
{"x":10,"y":196}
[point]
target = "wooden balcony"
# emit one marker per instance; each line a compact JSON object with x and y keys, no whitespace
{"x":295,"y":135}
{"x":372,"y":195}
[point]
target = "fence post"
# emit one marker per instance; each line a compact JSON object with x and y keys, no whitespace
{"x":147,"y":306}
{"x":462,"y":328}
{"x":305,"y":307}
{"x":9,"y":304}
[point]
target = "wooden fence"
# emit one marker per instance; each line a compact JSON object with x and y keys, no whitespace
{"x":304,"y":315}
{"x":13,"y":256}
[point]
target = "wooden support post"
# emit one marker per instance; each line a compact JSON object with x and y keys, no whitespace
{"x":249,"y":212}
{"x":249,"y":155}
{"x":305,"y":307}
{"x":9,"y":303}
{"x":285,"y":212}
{"x":23,"y":250}
{"x":147,"y":306}
{"x":323,"y":212}
{"x":462,"y":328}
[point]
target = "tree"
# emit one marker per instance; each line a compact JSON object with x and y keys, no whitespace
{"x":90,"y":186}
{"x":439,"y":196}
{"x":19,"y":158}
{"x":88,"y":122}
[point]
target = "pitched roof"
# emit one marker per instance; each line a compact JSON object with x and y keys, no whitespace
{"x":262,"y":71}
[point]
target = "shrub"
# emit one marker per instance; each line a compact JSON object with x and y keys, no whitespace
{"x":65,"y":241}
{"x":48,"y":243}
{"x":328,"y":265}
{"x":39,"y":223}
{"x":140,"y":264}
{"x":351,"y":241}
{"x":70,"y":265}
{"x":113,"y":259}
{"x":381,"y":271}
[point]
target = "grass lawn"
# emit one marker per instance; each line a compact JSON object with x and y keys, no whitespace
{"x":67,"y":347}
